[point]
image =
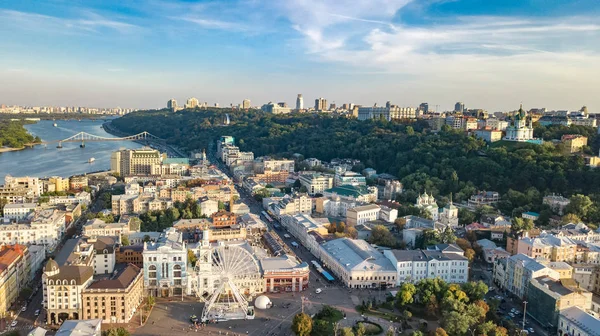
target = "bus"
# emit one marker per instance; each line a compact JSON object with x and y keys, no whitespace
{"x":267,"y":217}
{"x":315,"y":264}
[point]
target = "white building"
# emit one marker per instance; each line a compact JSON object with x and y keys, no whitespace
{"x":449,"y":215}
{"x":165,"y":265}
{"x":362,"y":214}
{"x":521,"y":129}
{"x":416,"y":265}
{"x":105,"y":257}
{"x":300,"y":225}
{"x":18,"y":210}
{"x":392,"y":189}
{"x":357,"y":264}
{"x":349,"y":178}
{"x":388,"y":214}
{"x":577,"y":322}
{"x":316,"y":183}
{"x":290,"y":205}
{"x":333,"y":206}
{"x":97,"y":227}
{"x":428,"y":203}
{"x":209,"y":207}
{"x":45,"y":228}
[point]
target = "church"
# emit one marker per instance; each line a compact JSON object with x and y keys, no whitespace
{"x":521,"y":128}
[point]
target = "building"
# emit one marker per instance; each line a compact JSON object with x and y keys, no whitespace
{"x":18,"y":211}
{"x":459,"y":107}
{"x":60,"y":184}
{"x":97,"y":227}
{"x":546,"y":297}
{"x":333,"y":206}
{"x":192,"y":103}
{"x":131,"y":254}
{"x":265,"y":165}
{"x":496,"y":124}
{"x":387,"y":112}
{"x":428,"y":203}
{"x":273,"y":108}
{"x":489,"y":135}
{"x":15,"y":268}
{"x":392,"y":189}
{"x":351,"y":193}
{"x":284,"y":274}
{"x":104,"y":256}
{"x":556,"y":202}
{"x":350,"y":178}
{"x":530,"y":215}
{"x":114,"y":299}
{"x":362,"y":214}
{"x":78,"y":182}
{"x":144,"y":161}
{"x":564,"y":270}
{"x":165,"y":265}
{"x":291,"y":205}
{"x":21,"y":189}
{"x":357,"y":264}
{"x":316,"y":183}
{"x":483,"y":198}
{"x":413,"y":266}
{"x":321,"y":104}
{"x":449,"y":215}
{"x":172,"y":105}
{"x":576,"y":321}
{"x":81,"y":328}
{"x":299,"y":102}
{"x":246,"y":104}
{"x":573,"y":143}
{"x":45,"y":228}
{"x":549,"y":247}
{"x":300,"y":226}
{"x":521,"y":128}
{"x":209,"y":207}
{"x":519,"y":271}
{"x":223,"y":219}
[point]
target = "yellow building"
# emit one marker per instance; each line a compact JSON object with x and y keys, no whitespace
{"x":573,"y":142}
{"x":60,"y":184}
{"x":564,"y":270}
{"x":14,"y":274}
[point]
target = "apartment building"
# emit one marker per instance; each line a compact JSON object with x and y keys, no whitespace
{"x":290,"y":205}
{"x":549,"y":247}
{"x":316,"y":183}
{"x":573,"y":143}
{"x":349,"y":178}
{"x":576,"y":321}
{"x":45,"y":227}
{"x":18,"y":211}
{"x":415,"y":265}
{"x":144,"y":161}
{"x":518,"y":272}
{"x":333,"y":206}
{"x":165,"y":265}
{"x":15,"y":267}
{"x":115,"y":299}
{"x":362,"y":214}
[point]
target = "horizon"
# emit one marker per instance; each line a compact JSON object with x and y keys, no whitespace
{"x":141,"y":54}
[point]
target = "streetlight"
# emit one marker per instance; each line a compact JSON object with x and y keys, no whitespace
{"x":524,"y":313}
{"x":472,"y":331}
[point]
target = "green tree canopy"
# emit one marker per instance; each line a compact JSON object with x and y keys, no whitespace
{"x":302,"y":324}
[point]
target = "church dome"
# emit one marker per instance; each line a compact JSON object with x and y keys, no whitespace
{"x":51,"y":266}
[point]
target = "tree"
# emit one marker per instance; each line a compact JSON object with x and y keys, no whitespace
{"x":500,"y":331}
{"x":432,"y":306}
{"x":406,"y":315}
{"x":125,"y":240}
{"x":340,"y":227}
{"x":191,"y":258}
{"x":417,"y":333}
{"x":360,"y":329}
{"x":484,"y":307}
{"x":520,"y":225}
{"x":470,"y":254}
{"x":380,"y":235}
{"x":463,"y":244}
{"x":400,"y":223}
{"x":302,"y":324}
{"x":439,"y":332}
{"x":475,"y":290}
{"x":221,"y":205}
{"x":146,"y":238}
{"x":448,"y":237}
{"x":347,"y":332}
{"x":465,"y":216}
{"x":570,"y":218}
{"x":151,"y":300}
{"x":120,"y":331}
{"x":579,"y":205}
{"x":351,"y":232}
{"x":406,"y":294}
{"x":486,"y":329}
{"x":455,"y":323}
{"x":303,"y":189}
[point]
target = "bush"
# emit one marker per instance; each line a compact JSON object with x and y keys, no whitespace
{"x":371,"y":328}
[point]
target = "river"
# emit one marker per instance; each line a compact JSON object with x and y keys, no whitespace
{"x":70,"y":160}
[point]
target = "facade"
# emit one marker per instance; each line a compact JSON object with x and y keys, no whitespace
{"x":556,"y":202}
{"x":428,"y":203}
{"x":334,"y":206}
{"x":357,"y":264}
{"x":392,"y":189}
{"x":483,"y":198}
{"x":97,"y":227}
{"x":316,"y":183}
{"x":131,"y":254}
{"x":575,"y":321}
{"x":573,"y":143}
{"x":413,"y":266}
{"x":350,"y":178}
{"x":289,"y":205}
{"x":192,"y":103}
{"x":449,"y":215}
{"x":546,"y":297}
{"x":78,"y":182}
{"x":21,"y":189}
{"x":223,"y":219}
{"x":284,"y":274}
{"x":362,"y":214}
{"x":60,"y":184}
{"x":301,"y":225}
{"x":549,"y":247}
{"x":104,"y":256}
{"x":299,"y":102}
{"x":172,"y":105}
{"x":165,"y":265}
{"x":46,"y":227}
{"x":519,"y":271}
{"x":18,"y":211}
{"x":387,"y":112}
{"x":15,"y":270}
{"x":209,"y":207}
{"x":114,"y":300}
{"x":143,"y":161}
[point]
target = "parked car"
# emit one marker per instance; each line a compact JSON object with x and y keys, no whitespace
{"x":37,"y":313}
{"x":14,"y":323}
{"x":24,"y":308}
{"x":318,"y":290}
{"x":531,"y":331}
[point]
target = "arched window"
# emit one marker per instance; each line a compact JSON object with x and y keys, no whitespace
{"x":177,"y":271}
{"x":105,"y":251}
{"x":72,"y":282}
{"x":50,"y":282}
{"x":152,"y":268}
{"x":152,"y":272}
{"x":65,"y":282}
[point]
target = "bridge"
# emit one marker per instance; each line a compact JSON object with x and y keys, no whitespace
{"x":84,"y":137}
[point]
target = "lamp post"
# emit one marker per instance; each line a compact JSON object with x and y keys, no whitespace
{"x":524,"y":313}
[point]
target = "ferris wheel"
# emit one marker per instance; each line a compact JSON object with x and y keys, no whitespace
{"x":232,"y":266}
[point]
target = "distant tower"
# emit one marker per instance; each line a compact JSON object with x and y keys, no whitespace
{"x":321,"y":104}
{"x":246,"y":104}
{"x":299,"y":102}
{"x":459,"y":107}
{"x":424,"y":107}
{"x":172,"y":105}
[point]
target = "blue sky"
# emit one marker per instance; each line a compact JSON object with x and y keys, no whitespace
{"x":490,"y":54}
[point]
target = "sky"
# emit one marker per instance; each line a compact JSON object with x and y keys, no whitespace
{"x":490,"y":54}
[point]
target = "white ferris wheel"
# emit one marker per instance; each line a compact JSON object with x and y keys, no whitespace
{"x":231,"y":266}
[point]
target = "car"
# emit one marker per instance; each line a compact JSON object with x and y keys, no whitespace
{"x":318,"y":290}
{"x":14,"y":323}
{"x":23,"y":309}
{"x":531,"y":331}
{"x":37,"y":313}
{"x":511,"y":314}
{"x":194,"y":318}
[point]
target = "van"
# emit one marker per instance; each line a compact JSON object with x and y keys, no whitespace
{"x":287,"y":236}
{"x":294,"y":244}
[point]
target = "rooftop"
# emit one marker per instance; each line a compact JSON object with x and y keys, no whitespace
{"x":79,"y":328}
{"x":283,"y":262}
{"x":425,"y":255}
{"x":20,"y":206}
{"x":121,"y":280}
{"x":356,"y":254}
{"x":583,"y":320}
{"x":366,"y":207}
{"x":349,"y":190}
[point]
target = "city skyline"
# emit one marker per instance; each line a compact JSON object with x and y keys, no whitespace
{"x":105,"y":53}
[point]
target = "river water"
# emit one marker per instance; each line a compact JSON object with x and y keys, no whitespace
{"x":70,"y":160}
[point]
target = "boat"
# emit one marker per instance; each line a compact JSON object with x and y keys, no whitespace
{"x":91,"y":160}
{"x":55,"y":125}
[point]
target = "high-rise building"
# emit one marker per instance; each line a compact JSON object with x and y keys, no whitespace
{"x":332,"y":106}
{"x":246,"y":104}
{"x":424,"y":107}
{"x":321,"y":104}
{"x":299,"y":102}
{"x":191,"y":103}
{"x":459,"y":107}
{"x":172,"y":105}
{"x":145,"y":161}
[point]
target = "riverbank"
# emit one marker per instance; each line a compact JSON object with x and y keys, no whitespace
{"x":11,"y":149}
